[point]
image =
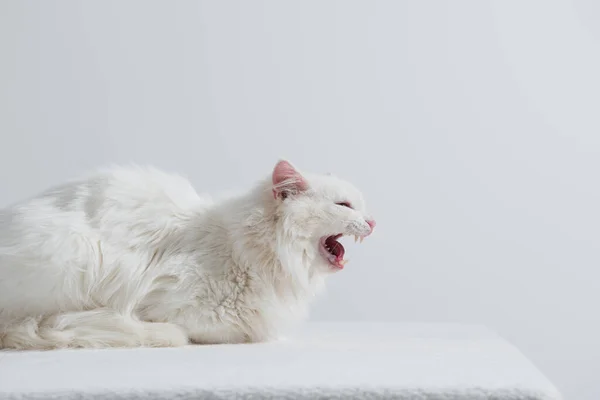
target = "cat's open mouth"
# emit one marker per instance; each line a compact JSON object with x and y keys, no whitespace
{"x":333,"y":251}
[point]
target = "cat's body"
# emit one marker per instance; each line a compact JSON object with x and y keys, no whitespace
{"x":134,"y":257}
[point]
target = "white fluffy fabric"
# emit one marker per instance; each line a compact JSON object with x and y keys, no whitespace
{"x":333,"y":360}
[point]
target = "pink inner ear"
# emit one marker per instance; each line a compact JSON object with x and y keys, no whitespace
{"x":287,"y":178}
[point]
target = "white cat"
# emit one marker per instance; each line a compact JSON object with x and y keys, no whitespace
{"x":134,"y":257}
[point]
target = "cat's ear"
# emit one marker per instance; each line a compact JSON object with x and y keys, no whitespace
{"x":287,"y":180}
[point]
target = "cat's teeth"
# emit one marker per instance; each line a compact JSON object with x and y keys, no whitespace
{"x":355,"y":238}
{"x":343,"y":262}
{"x":362,"y":238}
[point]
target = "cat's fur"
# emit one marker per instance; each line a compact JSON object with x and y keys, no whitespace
{"x":134,"y":257}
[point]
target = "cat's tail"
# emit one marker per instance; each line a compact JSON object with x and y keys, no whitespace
{"x":95,"y":329}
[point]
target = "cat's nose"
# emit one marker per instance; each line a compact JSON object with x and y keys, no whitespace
{"x":372,"y":224}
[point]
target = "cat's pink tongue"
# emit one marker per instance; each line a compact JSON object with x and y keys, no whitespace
{"x":339,"y":259}
{"x":340,"y":252}
{"x":336,"y":251}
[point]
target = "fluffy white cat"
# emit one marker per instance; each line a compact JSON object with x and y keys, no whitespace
{"x":134,"y":257}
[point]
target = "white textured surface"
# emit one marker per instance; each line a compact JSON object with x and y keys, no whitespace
{"x":345,"y":360}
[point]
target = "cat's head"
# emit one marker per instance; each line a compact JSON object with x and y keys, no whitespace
{"x":318,"y":210}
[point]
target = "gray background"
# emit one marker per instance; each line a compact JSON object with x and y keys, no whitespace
{"x":472,"y":127}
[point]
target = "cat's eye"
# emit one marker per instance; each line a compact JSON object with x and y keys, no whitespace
{"x":344,"y":204}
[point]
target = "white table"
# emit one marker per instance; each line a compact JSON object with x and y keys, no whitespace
{"x":332,"y":360}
